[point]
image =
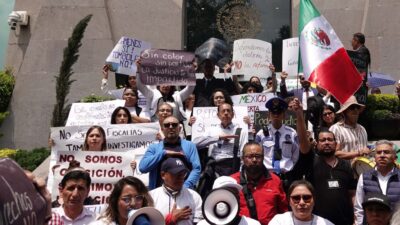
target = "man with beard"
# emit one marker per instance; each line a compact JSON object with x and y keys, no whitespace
{"x":383,"y":179}
{"x":332,"y":178}
{"x":350,"y":135}
{"x":262,"y":196}
{"x":171,"y":146}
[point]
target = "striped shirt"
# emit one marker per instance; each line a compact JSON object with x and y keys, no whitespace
{"x":350,"y":138}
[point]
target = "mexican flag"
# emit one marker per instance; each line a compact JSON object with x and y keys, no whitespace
{"x":324,"y":59}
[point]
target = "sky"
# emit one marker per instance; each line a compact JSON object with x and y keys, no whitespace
{"x":5,"y":9}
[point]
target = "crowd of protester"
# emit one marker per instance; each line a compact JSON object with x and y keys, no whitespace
{"x":278,"y":174}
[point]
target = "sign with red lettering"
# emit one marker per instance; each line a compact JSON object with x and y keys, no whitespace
{"x":252,"y":57}
{"x":167,"y":67}
{"x":20,"y":202}
{"x":105,"y":169}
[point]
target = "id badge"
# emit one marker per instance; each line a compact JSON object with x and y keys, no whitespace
{"x":333,"y":184}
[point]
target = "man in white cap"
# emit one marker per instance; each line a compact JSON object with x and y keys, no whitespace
{"x":221,"y":206}
{"x":350,"y":135}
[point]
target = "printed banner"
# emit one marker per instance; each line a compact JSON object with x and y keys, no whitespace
{"x":126,"y":51}
{"x":252,"y":57}
{"x":290,"y":56}
{"x":96,"y":113}
{"x":120,"y":137}
{"x":206,"y":118}
{"x":167,"y":67}
{"x":105,"y":169}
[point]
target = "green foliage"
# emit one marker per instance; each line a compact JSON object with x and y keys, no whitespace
{"x":382,"y":106}
{"x":7,"y":82}
{"x":7,"y":152}
{"x":60,"y":113}
{"x":29,"y":160}
{"x":96,"y":98}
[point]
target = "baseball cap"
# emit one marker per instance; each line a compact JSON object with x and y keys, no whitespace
{"x":377,"y":198}
{"x":174,"y":166}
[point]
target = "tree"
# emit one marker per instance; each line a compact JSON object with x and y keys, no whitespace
{"x":63,"y":81}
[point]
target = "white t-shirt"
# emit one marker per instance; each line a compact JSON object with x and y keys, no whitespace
{"x":287,"y":218}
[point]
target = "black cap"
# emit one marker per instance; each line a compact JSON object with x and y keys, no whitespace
{"x":174,"y":166}
{"x":276,"y":105}
{"x":377,"y":199}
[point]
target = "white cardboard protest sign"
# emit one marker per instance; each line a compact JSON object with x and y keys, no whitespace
{"x":120,"y":137}
{"x":105,"y":169}
{"x":206,"y":118}
{"x":126,"y":51}
{"x":290,"y":56}
{"x":96,"y":113}
{"x":253,"y":102}
{"x":252,"y":57}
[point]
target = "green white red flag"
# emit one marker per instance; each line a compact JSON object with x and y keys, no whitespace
{"x":323,"y":57}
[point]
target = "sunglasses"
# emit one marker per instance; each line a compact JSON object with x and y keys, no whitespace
{"x":327,"y":113}
{"x":296,"y":198}
{"x":169,"y":125}
{"x":128,"y":199}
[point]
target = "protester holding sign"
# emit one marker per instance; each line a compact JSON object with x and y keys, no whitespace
{"x":121,"y":115}
{"x":118,"y":93}
{"x":95,"y":139}
{"x":129,"y":193}
{"x":130,"y":95}
{"x":164,"y":93}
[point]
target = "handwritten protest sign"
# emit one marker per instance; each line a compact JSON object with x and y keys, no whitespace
{"x":105,"y":168}
{"x":168,"y":67}
{"x":261,"y":119}
{"x":119,"y":137}
{"x":253,"y":102}
{"x":252,"y":57}
{"x":126,"y":51}
{"x":206,"y":118}
{"x":96,"y":113}
{"x":290,"y":56}
{"x":21,"y":203}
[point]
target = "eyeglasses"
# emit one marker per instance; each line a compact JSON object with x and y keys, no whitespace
{"x":256,"y":156}
{"x":169,"y":125}
{"x":354,"y":107}
{"x":296,"y":198}
{"x":128,"y":199}
{"x":327,"y":113}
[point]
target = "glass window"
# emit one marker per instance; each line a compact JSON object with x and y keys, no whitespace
{"x":267,"y":20}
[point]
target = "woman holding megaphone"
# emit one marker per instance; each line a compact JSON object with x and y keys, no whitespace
{"x":130,"y":204}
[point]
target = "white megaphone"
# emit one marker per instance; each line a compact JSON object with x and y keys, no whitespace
{"x":220,"y":207}
{"x":155,"y":217}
